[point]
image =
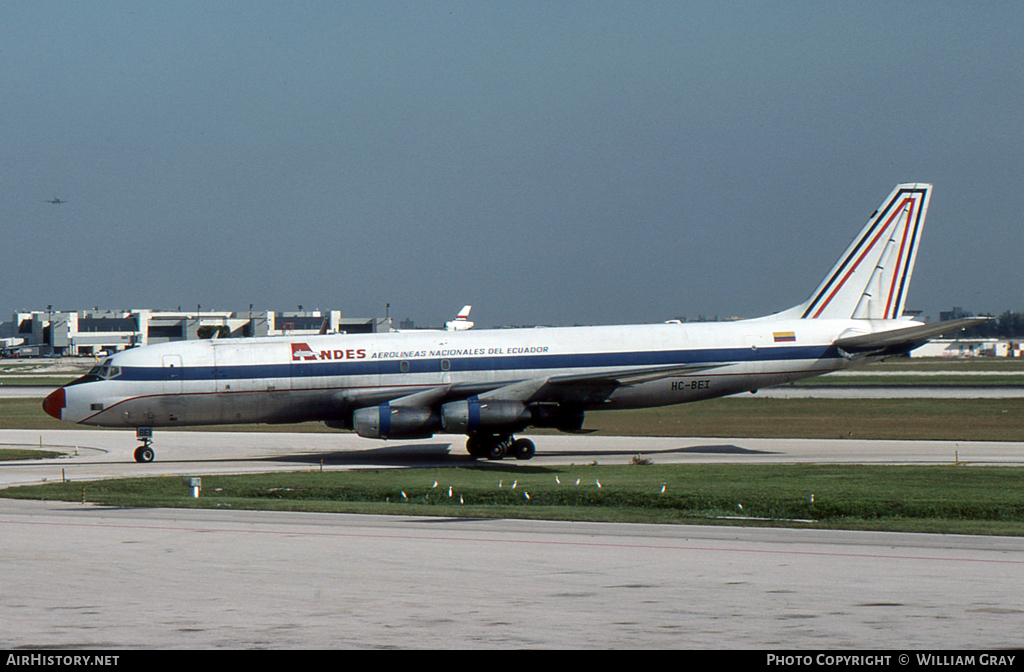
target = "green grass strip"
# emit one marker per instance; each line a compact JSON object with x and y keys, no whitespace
{"x":946,"y":499}
{"x":7,"y":454}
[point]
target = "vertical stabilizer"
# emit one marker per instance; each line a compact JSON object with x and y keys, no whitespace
{"x":461,"y":321}
{"x":871,"y":279}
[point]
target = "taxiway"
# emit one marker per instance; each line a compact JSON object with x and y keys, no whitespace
{"x":90,"y":454}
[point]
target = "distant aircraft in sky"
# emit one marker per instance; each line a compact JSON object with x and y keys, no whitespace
{"x":492,"y":383}
{"x":55,"y":201}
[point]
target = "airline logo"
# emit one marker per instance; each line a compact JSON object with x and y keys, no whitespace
{"x":784,"y":336}
{"x":301,"y":352}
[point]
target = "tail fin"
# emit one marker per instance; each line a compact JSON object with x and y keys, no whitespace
{"x":461,"y":321}
{"x":871,"y":279}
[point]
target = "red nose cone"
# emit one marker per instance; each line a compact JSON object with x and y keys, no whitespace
{"x":54,"y":403}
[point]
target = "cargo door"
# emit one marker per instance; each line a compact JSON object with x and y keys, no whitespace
{"x":172,"y":409}
{"x":172,"y":374}
{"x":238,"y":384}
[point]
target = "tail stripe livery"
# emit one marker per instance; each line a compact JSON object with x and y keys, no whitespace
{"x":868,"y":267}
{"x":904,"y":275}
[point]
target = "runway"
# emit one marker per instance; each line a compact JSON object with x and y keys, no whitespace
{"x":78,"y":576}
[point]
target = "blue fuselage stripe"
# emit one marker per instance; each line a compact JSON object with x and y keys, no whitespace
{"x":514,"y":363}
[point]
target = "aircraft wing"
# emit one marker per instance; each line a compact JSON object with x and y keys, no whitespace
{"x":565,"y":389}
{"x":576,"y":387}
{"x":635,"y":376}
{"x":906,"y":336}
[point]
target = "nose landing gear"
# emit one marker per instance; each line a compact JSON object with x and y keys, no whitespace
{"x":144,"y":453}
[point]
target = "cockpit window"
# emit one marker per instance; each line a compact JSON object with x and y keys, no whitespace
{"x":104,"y":370}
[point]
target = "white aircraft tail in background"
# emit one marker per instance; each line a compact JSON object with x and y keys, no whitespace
{"x":461,"y":321}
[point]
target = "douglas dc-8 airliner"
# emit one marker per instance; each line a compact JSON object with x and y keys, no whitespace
{"x":491,"y":384}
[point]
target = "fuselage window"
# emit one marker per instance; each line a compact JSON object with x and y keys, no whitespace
{"x":404,"y":366}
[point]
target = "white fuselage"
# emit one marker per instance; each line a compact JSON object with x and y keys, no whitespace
{"x":292,"y":379}
{"x":489,"y":384}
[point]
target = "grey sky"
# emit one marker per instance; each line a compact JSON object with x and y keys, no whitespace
{"x":547,"y":162}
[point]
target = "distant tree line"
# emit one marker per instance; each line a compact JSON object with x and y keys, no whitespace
{"x":207,"y":331}
{"x":1007,"y":325}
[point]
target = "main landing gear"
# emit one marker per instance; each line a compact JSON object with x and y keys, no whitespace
{"x":498,"y":446}
{"x":144,"y":453}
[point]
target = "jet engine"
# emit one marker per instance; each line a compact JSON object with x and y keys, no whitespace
{"x":387,"y":422}
{"x":472,"y":415}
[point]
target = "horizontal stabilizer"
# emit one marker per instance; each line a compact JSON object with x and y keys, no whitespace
{"x":906,"y":335}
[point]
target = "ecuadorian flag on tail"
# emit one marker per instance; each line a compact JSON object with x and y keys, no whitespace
{"x":784,"y":336}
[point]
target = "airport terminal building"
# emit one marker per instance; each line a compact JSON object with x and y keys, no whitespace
{"x":90,"y":332}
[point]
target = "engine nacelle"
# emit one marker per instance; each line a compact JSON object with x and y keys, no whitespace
{"x":386,"y":422}
{"x":471,"y":415}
